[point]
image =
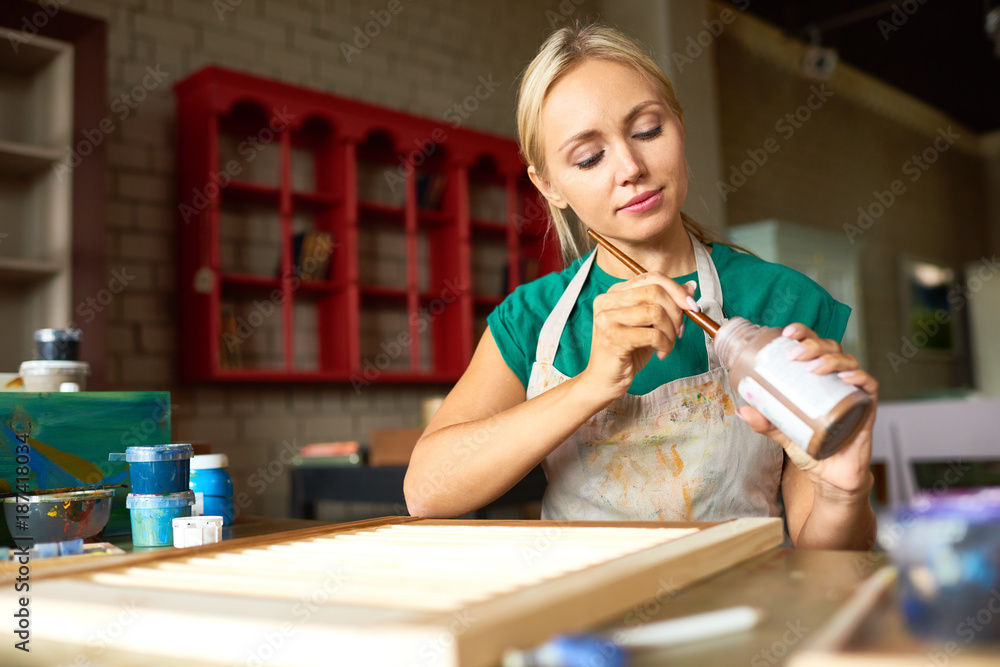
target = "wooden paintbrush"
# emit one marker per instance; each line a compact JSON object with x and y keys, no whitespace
{"x":710,"y":326}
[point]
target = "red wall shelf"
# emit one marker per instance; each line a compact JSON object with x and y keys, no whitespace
{"x":419,"y":255}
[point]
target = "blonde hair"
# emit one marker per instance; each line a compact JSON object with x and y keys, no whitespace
{"x":562,"y":51}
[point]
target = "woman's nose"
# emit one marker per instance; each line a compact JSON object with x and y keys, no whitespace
{"x":630,"y":167}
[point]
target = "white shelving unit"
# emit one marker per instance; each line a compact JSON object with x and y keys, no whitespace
{"x":36,"y":126}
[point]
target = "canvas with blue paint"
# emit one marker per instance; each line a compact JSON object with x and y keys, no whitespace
{"x":70,"y":436}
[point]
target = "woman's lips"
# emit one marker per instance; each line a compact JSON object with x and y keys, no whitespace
{"x":643,"y":202}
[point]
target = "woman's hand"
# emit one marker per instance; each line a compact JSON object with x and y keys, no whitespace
{"x":845,"y":475}
{"x":632,"y":320}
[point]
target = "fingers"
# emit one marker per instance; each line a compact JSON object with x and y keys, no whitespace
{"x":632,"y":327}
{"x":822,"y":354}
{"x":681,"y":295}
{"x":864,"y":381}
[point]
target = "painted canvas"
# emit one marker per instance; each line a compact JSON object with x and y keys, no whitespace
{"x":70,"y":436}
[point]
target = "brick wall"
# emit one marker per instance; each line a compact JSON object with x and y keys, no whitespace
{"x":825,"y":168}
{"x":427,"y":58}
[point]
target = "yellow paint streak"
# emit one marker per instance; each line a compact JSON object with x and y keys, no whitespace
{"x":678,"y":462}
{"x":687,"y":501}
{"x":79,"y":467}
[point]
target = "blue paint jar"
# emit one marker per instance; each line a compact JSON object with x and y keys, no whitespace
{"x":157,"y":469}
{"x":947,"y":549}
{"x":153,"y":516}
{"x":212,"y":486}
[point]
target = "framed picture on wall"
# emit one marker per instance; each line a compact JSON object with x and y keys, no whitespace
{"x":929,"y":295}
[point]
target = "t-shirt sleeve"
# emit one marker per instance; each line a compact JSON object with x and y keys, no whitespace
{"x":793,"y":297}
{"x":503,"y":327}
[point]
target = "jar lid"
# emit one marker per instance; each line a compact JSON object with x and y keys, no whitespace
{"x":209,"y":461}
{"x":57,"y":335}
{"x":53,"y":367}
{"x":146,"y":453}
{"x":150,"y":501}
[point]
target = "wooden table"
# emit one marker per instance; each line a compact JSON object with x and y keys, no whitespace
{"x":798,"y":591}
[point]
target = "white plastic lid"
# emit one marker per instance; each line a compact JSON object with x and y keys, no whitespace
{"x":52,"y":367}
{"x":209,"y":461}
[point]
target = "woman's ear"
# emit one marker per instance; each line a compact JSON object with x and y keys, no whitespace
{"x":546,"y":188}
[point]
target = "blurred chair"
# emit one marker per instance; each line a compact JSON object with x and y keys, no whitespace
{"x":950,"y":431}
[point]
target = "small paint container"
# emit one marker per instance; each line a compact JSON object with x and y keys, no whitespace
{"x":212,"y":486}
{"x":58,"y":344}
{"x":195,"y":531}
{"x":153,"y":515}
{"x":45,"y":375}
{"x":947,"y":549}
{"x":157,"y":469}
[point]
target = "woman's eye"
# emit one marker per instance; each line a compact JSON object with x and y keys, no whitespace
{"x":591,"y":161}
{"x":650,"y":134}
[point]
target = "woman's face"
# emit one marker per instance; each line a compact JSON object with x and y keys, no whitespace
{"x":614,"y":152}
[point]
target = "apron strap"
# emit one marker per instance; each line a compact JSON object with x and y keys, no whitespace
{"x":711,"y":294}
{"x":548,"y":339}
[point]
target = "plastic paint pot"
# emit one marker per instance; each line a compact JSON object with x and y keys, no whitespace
{"x":43,"y":375}
{"x":212,"y":486}
{"x":58,"y":344}
{"x":157,"y":469}
{"x":153,"y":516}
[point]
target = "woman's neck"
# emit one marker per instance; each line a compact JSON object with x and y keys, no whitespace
{"x":671,"y":254}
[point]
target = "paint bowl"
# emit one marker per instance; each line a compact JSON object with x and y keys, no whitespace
{"x":157,"y":469}
{"x":45,"y":375}
{"x":153,"y":516}
{"x":57,"y":517}
{"x":948,"y":556}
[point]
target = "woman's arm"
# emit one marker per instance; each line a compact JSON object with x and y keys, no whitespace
{"x":485,"y":436}
{"x":826,"y":501}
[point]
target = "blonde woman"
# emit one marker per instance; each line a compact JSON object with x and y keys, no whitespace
{"x":592,"y":371}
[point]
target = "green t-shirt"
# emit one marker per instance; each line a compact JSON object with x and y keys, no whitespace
{"x":767,"y":294}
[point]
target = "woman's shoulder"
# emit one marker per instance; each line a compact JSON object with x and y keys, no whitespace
{"x":749,"y":269}
{"x":773,"y":294}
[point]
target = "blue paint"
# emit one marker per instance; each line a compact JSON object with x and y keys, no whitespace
{"x":573,"y":651}
{"x":152,"y":516}
{"x":157,"y":469}
{"x":948,"y":557}
{"x":213,"y":486}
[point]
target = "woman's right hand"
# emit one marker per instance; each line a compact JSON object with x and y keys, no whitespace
{"x":632,"y":320}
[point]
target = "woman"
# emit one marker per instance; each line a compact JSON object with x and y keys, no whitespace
{"x":593,"y":372}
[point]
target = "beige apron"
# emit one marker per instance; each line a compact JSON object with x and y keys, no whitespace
{"x":678,"y":453}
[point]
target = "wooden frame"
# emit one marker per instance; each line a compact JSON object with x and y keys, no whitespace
{"x":73,"y":603}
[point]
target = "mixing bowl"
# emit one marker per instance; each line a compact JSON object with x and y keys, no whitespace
{"x":56,"y":517}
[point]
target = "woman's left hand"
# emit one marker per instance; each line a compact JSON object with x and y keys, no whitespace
{"x":845,"y":473}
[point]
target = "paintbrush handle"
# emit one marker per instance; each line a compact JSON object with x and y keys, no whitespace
{"x":710,"y":326}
